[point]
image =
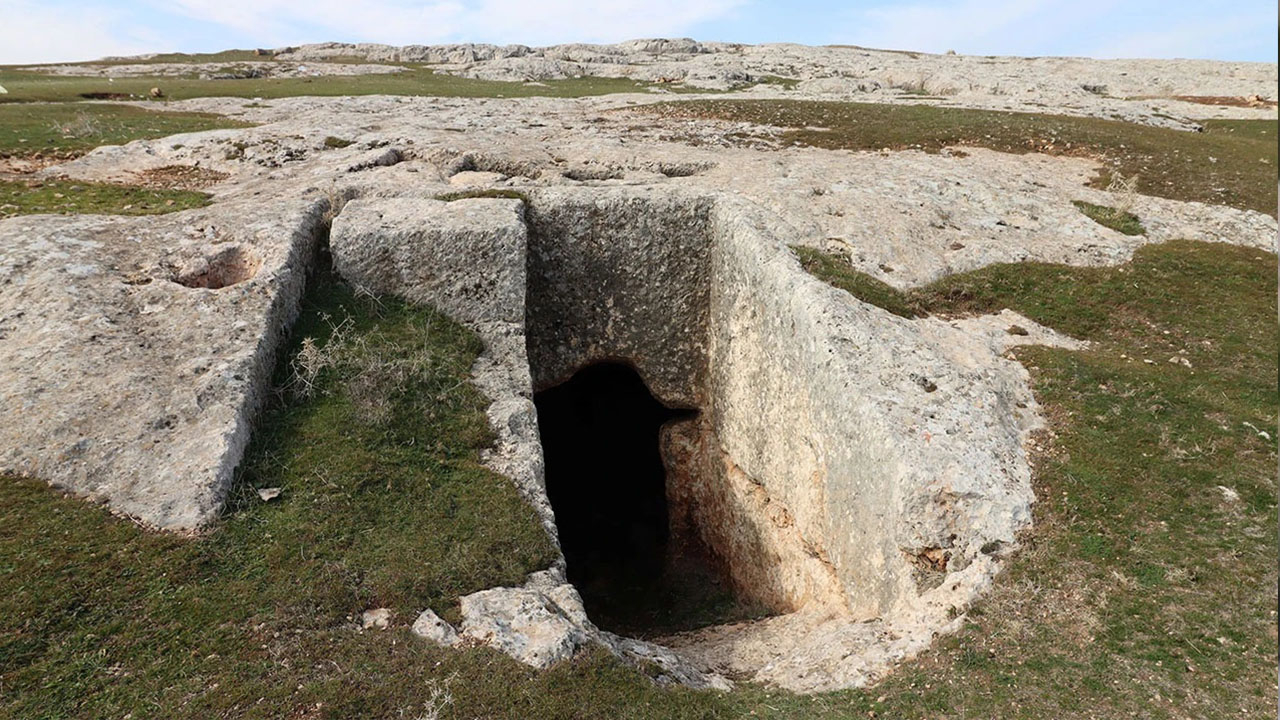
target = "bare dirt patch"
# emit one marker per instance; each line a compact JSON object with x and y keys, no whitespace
{"x":179,"y":177}
{"x":26,"y":164}
{"x":1247,"y":101}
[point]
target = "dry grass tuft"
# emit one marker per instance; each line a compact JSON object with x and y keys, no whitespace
{"x":180,"y":177}
{"x":83,"y":125}
{"x":1125,"y":189}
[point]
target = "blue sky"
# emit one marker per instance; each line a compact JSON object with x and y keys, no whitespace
{"x":51,"y":30}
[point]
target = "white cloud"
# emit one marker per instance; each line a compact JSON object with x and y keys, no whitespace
{"x":277,"y":22}
{"x":34,"y":32}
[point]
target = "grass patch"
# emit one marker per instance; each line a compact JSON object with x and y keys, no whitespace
{"x":834,"y":270}
{"x":69,"y":129}
{"x":63,"y":197}
{"x":1114,"y":218}
{"x":337,"y":143}
{"x":1082,"y":302}
{"x":29,"y":86}
{"x":492,"y":193}
{"x":1090,"y":302}
{"x":1233,"y":162}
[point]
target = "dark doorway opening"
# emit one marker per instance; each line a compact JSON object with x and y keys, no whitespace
{"x":607,"y":485}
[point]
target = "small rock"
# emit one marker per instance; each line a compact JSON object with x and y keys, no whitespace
{"x":430,"y":627}
{"x":1261,"y":433}
{"x":377,"y":619}
{"x":925,"y":383}
{"x":268,"y":494}
{"x":1229,"y":494}
{"x":537,"y":628}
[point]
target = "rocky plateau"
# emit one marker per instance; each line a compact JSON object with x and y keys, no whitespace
{"x":837,"y":448}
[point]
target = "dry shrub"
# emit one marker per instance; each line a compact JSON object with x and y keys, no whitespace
{"x":1125,"y":191}
{"x":83,"y":125}
{"x":375,"y":374}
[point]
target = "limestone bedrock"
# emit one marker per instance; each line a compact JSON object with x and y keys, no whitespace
{"x":124,"y":376}
{"x":1137,"y":90}
{"x":858,"y":473}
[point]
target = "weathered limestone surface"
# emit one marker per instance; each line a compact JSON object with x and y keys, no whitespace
{"x":431,"y":628}
{"x":219,"y":71}
{"x":1136,"y":90}
{"x":621,"y":273}
{"x":120,"y":383}
{"x":464,"y":257}
{"x":905,"y":218}
{"x":538,"y":628}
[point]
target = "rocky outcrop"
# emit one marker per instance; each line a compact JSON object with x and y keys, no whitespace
{"x":1149,"y":91}
{"x":134,"y":352}
{"x":219,"y":71}
{"x":836,"y":442}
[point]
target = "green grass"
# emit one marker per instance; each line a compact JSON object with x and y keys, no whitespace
{"x":836,"y":271}
{"x":1233,"y":162}
{"x":1140,"y":592}
{"x":1114,"y":218}
{"x":336,"y":143}
{"x":29,"y":86}
{"x":65,"y":129}
{"x":486,"y":193}
{"x":23,"y":197}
